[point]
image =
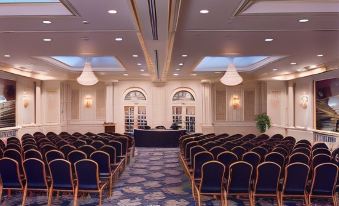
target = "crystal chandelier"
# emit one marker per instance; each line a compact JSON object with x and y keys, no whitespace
{"x":231,"y":76}
{"x":87,"y":77}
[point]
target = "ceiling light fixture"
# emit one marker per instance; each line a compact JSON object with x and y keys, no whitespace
{"x":313,"y":66}
{"x":85,"y":22}
{"x":7,"y":55}
{"x":231,"y":76}
{"x":320,"y":55}
{"x":47,"y":39}
{"x":293,"y":63}
{"x":142,"y":70}
{"x":268,"y":39}
{"x":175,"y":74}
{"x":125,"y":74}
{"x":181,"y":64}
{"x":301,"y":70}
{"x":184,"y":55}
{"x":112,"y":11}
{"x":139,"y":64}
{"x":135,"y":55}
{"x":118,"y":39}
{"x":46,"y":22}
{"x":87,"y":77}
{"x":194,"y":74}
{"x":275,"y":69}
{"x":204,"y":11}
{"x":178,"y":69}
{"x":303,"y":20}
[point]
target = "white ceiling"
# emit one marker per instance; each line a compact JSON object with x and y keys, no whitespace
{"x":227,"y":30}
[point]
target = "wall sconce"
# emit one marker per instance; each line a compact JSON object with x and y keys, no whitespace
{"x":88,"y":101}
{"x":235,"y":102}
{"x":304,"y":101}
{"x":25,"y":100}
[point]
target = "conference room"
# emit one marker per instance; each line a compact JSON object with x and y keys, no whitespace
{"x":169,"y":102}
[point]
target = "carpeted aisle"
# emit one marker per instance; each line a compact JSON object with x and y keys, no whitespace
{"x":153,"y":178}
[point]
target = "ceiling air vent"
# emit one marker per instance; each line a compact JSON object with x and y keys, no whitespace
{"x":153,"y":18}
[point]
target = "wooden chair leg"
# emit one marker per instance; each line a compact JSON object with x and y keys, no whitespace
{"x":1,"y":188}
{"x":199,"y":200}
{"x":110,"y":186}
{"x":24,"y":196}
{"x":100,"y":197}
{"x":49,"y":201}
{"x":278,"y":200}
{"x":75,"y":196}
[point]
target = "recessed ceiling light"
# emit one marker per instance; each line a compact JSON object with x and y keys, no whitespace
{"x":301,"y":70}
{"x":112,"y":11}
{"x":293,"y":63}
{"x":268,"y":39}
{"x":85,"y":22}
{"x":184,"y":55}
{"x":135,"y":55}
{"x":142,"y":70}
{"x":275,"y":69}
{"x":178,"y":69}
{"x":118,"y":39}
{"x":194,"y":74}
{"x":320,"y":55}
{"x":47,"y":39}
{"x":175,"y":74}
{"x":125,"y":74}
{"x":46,"y":22}
{"x":139,"y":64}
{"x":303,"y":20}
{"x":313,"y":66}
{"x":7,"y":55}
{"x":181,"y":64}
{"x":217,"y":72}
{"x":204,"y":11}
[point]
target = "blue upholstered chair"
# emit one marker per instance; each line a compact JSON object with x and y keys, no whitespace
{"x":209,"y":145}
{"x":239,"y":151}
{"x":15,"y":155}
{"x":54,"y":154}
{"x":211,"y":181}
{"x":298,"y":157}
{"x":46,"y":148}
{"x":62,"y":178}
{"x":303,"y":150}
{"x":319,"y":145}
{"x":79,"y":143}
{"x":227,"y":158}
{"x":10,"y":175}
{"x":88,"y":149}
{"x":324,"y":182}
{"x":105,"y":171}
{"x":295,"y":181}
{"x":35,"y":176}
{"x":97,"y":144}
{"x":217,"y":150}
{"x":199,"y":159}
{"x":32,"y":153}
{"x":75,"y":156}
{"x":29,"y":146}
{"x":261,"y":151}
{"x":253,"y":159}
{"x":320,"y":158}
{"x":266,"y":183}
{"x":239,"y":179}
{"x":118,"y":149}
{"x":187,"y":150}
{"x":87,"y":172}
{"x":304,"y":141}
{"x":66,"y":149}
{"x":13,"y":146}
{"x":281,"y":150}
{"x":321,"y":151}
{"x":276,"y":158}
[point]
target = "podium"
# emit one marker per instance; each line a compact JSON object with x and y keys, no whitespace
{"x":109,"y":127}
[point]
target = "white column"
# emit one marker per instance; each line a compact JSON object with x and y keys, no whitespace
{"x":207,"y":116}
{"x":290,"y":104}
{"x":109,"y":102}
{"x":38,"y":109}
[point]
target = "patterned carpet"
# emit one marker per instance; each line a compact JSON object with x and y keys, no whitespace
{"x":153,"y":178}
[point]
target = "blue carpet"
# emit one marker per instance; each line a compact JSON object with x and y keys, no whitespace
{"x":153,"y":178}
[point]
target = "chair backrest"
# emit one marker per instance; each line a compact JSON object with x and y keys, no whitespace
{"x":239,"y":179}
{"x":61,"y":172}
{"x":88,"y":149}
{"x":210,"y":145}
{"x":252,"y":158}
{"x":103,"y":161}
{"x":32,"y":153}
{"x":268,"y":174}
{"x":217,"y":150}
{"x":199,"y":159}
{"x":87,"y":172}
{"x":35,"y":174}
{"x":9,"y":173}
{"x":302,"y":145}
{"x":14,"y":154}
{"x":124,"y":143}
{"x":321,"y":151}
{"x":54,"y":154}
{"x":61,"y":143}
{"x":117,"y":146}
{"x":299,"y":157}
{"x":277,"y":137}
{"x":239,"y":151}
{"x":324,"y":179}
{"x":320,"y":158}
{"x":79,"y":143}
{"x":261,"y":151}
{"x":188,"y":147}
{"x":13,"y":146}
{"x":76,"y":155}
{"x":335,"y":155}
{"x":97,"y":144}
{"x":304,"y":141}
{"x":194,"y":150}
{"x":227,"y":158}
{"x":303,"y":150}
{"x":281,"y":150}
{"x":29,"y":146}
{"x":319,"y":145}
{"x":212,"y":173}
{"x":66,"y":149}
{"x":111,"y":151}
{"x":296,"y":176}
{"x":275,"y":157}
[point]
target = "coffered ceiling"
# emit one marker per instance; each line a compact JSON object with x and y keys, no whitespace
{"x":160,"y":40}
